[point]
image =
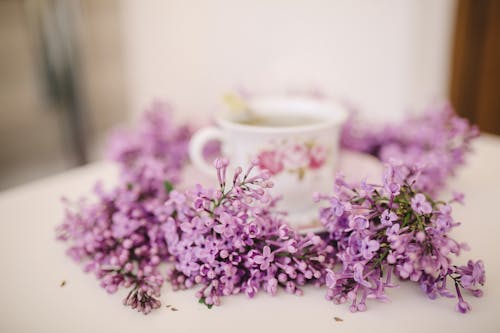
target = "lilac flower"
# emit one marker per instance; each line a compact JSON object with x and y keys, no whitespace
{"x":265,"y":259}
{"x":330,"y":279}
{"x":358,"y":271}
{"x":369,"y":247}
{"x":337,"y":207}
{"x":272,"y":286}
{"x":392,"y":232}
{"x":392,"y":188}
{"x":187,"y":264}
{"x":252,"y":229}
{"x":291,"y":245}
{"x":226,"y":225}
{"x":405,"y":270}
{"x":358,"y":222}
{"x":420,"y":204}
{"x":388,"y":218}
{"x":463,"y":306}
{"x":123,"y":225}
{"x":458,"y":197}
{"x":472,"y":275}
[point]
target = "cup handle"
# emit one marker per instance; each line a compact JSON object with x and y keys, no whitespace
{"x":198,"y":141}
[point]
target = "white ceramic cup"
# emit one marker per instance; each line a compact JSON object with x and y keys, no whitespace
{"x":302,"y":158}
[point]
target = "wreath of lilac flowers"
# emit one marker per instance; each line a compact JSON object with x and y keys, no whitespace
{"x":231,"y":239}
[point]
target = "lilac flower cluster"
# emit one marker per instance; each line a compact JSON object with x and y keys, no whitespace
{"x":437,"y":141}
{"x":118,"y":238}
{"x":382,"y":231}
{"x":118,"y":235}
{"x":153,"y":152}
{"x":230,"y":240}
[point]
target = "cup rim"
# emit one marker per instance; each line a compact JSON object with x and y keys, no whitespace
{"x":331,"y":114}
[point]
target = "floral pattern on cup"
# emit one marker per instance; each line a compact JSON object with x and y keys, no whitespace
{"x":293,"y":157}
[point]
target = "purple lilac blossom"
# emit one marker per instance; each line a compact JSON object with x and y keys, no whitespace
{"x":253,"y":248}
{"x":231,"y":240}
{"x":120,"y":236}
{"x":437,"y":140}
{"x":403,"y":235}
{"x":154,"y":151}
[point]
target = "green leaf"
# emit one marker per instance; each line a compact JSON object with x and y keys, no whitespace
{"x":168,"y":186}
{"x":406,"y":220}
{"x":202,"y":301}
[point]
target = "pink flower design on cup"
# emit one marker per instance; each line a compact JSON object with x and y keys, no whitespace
{"x":270,"y":160}
{"x":292,"y":157}
{"x":317,"y":157}
{"x":295,"y":156}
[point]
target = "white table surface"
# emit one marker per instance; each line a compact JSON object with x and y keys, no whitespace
{"x":33,"y":264}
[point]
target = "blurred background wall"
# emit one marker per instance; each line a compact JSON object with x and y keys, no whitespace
{"x":386,"y":56}
{"x":72,"y":69}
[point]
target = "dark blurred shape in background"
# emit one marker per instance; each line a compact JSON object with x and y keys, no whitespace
{"x":475,"y":83}
{"x":61,"y":84}
{"x":57,"y":26}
